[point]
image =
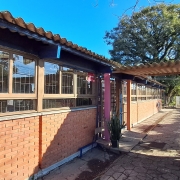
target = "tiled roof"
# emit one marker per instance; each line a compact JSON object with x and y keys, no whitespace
{"x":5,"y":15}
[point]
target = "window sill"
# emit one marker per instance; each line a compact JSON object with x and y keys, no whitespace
{"x":27,"y":114}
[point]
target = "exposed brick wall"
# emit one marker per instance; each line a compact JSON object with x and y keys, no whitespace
{"x":19,"y":146}
{"x":134,"y":113}
{"x":63,"y":134}
{"x":141,"y":110}
{"x":28,"y":144}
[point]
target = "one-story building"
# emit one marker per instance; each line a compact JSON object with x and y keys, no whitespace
{"x":53,"y":94}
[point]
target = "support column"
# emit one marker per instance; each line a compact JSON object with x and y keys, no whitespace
{"x":117,"y":97}
{"x":40,"y":84}
{"x":107,"y":104}
{"x":129,"y":105}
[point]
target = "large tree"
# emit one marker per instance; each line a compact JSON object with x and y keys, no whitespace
{"x":151,"y":35}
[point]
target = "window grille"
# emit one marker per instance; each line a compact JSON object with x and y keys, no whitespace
{"x":67,"y":83}
{"x":4,"y":71}
{"x":85,"y":101}
{"x":57,"y":103}
{"x":113,"y":95}
{"x":124,"y":87}
{"x":133,"y":88}
{"x":133,"y":98}
{"x":90,"y":82}
{"x":81,"y":84}
{"x":17,"y":105}
{"x":3,"y":106}
{"x":85,"y":82}
{"x":23,"y":75}
{"x":51,"y":78}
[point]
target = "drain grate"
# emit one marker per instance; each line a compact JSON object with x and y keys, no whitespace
{"x":153,"y":145}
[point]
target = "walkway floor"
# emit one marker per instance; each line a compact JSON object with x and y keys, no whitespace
{"x":155,"y":154}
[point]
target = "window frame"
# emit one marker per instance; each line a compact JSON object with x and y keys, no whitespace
{"x":72,"y":96}
{"x":10,"y":94}
{"x":19,"y":96}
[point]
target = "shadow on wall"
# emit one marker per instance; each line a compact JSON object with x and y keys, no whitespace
{"x":61,"y":135}
{"x":150,"y":164}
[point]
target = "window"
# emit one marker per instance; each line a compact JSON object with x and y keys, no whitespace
{"x":76,"y":87}
{"x":149,"y":93}
{"x":85,"y":101}
{"x":133,"y":91}
{"x":85,"y":82}
{"x":61,"y":86}
{"x":51,"y":78}
{"x":67,"y":80}
{"x":57,"y":103}
{"x":141,"y":92}
{"x":17,"y":105}
{"x":23,"y":75}
{"x":81,"y":84}
{"x":4,"y":71}
{"x":18,"y":80}
{"x":124,"y":88}
{"x":133,"y":88}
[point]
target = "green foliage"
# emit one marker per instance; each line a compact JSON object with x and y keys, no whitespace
{"x":114,"y":128}
{"x":151,"y":35}
{"x":173,"y":87}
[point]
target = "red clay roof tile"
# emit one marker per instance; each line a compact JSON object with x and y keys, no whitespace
{"x":5,"y":15}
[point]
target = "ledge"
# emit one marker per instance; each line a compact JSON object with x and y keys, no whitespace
{"x":11,"y":117}
{"x":67,"y":110}
{"x":19,"y":116}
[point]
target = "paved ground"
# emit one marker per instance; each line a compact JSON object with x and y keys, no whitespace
{"x":157,"y":156}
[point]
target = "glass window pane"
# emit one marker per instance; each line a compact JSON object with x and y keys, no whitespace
{"x":85,"y":101}
{"x":85,"y":82}
{"x":67,"y":80}
{"x":4,"y":71}
{"x":133,"y":89}
{"x":81,"y":84}
{"x":51,"y":78}
{"x":17,"y":105}
{"x":90,"y":83}
{"x":133,"y":98}
{"x":124,"y":87}
{"x":23,"y":75}
{"x":57,"y":103}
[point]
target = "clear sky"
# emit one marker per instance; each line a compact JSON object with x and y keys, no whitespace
{"x":81,"y":21}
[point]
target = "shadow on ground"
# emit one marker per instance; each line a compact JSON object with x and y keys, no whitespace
{"x":96,"y":167}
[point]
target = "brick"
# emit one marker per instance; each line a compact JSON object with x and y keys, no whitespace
{"x":2,"y":125}
{"x":5,"y":129}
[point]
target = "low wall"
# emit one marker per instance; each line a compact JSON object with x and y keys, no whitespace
{"x":29,"y":144}
{"x":141,"y":110}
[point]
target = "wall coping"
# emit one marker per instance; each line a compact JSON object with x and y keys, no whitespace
{"x":20,"y":116}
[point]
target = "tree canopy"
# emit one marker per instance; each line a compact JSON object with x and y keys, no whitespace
{"x":151,"y":35}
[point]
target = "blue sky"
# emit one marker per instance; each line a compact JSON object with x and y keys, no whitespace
{"x":78,"y":21}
